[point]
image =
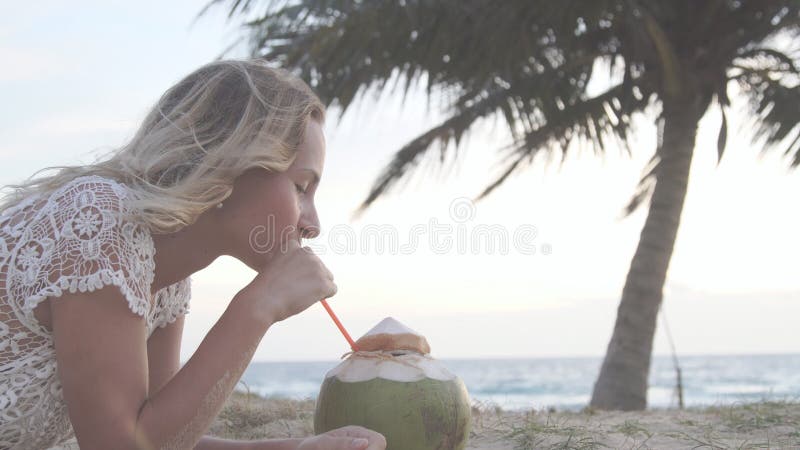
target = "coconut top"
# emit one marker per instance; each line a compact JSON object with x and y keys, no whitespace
{"x":409,"y":367}
{"x":391,"y":335}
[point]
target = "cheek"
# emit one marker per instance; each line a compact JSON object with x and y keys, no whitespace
{"x":276,"y":209}
{"x":283,"y":211}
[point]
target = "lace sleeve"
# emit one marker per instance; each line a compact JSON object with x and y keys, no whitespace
{"x":173,"y":302}
{"x":80,"y":240}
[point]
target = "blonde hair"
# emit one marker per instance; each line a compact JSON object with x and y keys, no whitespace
{"x":221,"y":120}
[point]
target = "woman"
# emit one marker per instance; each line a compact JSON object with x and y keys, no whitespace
{"x":95,"y":260}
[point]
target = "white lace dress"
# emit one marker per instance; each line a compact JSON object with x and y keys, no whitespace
{"x":72,"y":240}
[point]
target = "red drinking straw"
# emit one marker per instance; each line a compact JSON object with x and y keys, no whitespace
{"x":339,"y":325}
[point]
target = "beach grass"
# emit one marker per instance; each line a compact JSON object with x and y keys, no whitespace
{"x":767,"y":424}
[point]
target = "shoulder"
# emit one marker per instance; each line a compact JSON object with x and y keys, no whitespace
{"x":91,"y":191}
{"x":39,"y":213}
{"x":83,"y":237}
{"x":94,"y":208}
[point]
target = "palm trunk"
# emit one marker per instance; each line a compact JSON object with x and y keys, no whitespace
{"x":622,"y":383}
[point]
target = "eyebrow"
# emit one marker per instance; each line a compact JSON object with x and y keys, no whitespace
{"x":314,"y":173}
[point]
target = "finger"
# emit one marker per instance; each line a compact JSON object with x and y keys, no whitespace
{"x":349,"y":430}
{"x":331,"y":289}
{"x":357,"y":443}
{"x":344,"y":443}
{"x":326,"y":290}
{"x":378,"y":444}
{"x":376,"y":440}
{"x":328,"y":274}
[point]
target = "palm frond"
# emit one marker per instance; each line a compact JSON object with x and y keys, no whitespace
{"x":775,"y":108}
{"x":451,"y":130}
{"x":608,"y":115}
{"x":530,"y":62}
{"x":771,"y":81}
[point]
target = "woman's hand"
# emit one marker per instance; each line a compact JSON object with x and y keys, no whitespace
{"x":291,"y":282}
{"x":345,"y":438}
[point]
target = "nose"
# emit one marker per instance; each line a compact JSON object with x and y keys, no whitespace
{"x":309,"y":226}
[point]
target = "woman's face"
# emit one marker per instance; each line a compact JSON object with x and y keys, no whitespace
{"x":267,"y":209}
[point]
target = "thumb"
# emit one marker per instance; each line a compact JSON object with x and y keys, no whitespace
{"x":328,"y":442}
{"x":349,"y":443}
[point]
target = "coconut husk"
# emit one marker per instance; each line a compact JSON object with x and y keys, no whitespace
{"x":393,"y":342}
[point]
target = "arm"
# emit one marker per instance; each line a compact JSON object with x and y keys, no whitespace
{"x":211,"y":443}
{"x":164,"y":354}
{"x":163,"y":357}
{"x":107,"y":389}
{"x":104,"y":369}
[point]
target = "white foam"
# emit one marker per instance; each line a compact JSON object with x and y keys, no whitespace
{"x":407,"y":368}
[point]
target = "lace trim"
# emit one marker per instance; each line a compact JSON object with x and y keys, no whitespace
{"x":175,"y":303}
{"x":91,"y":283}
{"x":81,"y":234}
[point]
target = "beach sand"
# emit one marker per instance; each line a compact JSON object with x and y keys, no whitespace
{"x":774,"y":425}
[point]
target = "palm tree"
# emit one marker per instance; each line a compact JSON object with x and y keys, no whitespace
{"x":530,"y":61}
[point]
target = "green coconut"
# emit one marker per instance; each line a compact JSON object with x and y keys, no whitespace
{"x":391,"y":385}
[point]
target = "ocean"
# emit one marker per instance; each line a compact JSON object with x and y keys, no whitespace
{"x":566,"y":383}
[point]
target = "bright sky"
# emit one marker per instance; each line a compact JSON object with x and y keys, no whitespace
{"x":78,"y":78}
